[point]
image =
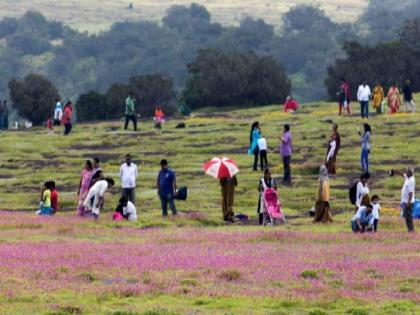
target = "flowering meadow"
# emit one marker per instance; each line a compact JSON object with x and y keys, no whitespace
{"x":111,"y":262}
{"x":195,"y":263}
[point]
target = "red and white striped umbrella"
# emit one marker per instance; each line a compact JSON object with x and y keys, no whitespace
{"x":221,"y":168}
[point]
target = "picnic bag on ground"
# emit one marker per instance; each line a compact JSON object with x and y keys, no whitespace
{"x":182,"y":193}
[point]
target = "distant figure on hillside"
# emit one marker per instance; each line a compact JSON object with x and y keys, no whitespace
{"x":322,"y":203}
{"x":334,"y":145}
{"x":378,"y":98}
{"x":394,"y":99}
{"x":262,"y":147}
{"x":130,"y":111}
{"x":291,"y":105}
{"x":363,"y":96}
{"x":97,"y":173}
{"x":365,"y":139}
{"x":409,"y":105}
{"x":128,"y":176}
{"x":159,"y":118}
{"x":66,"y":120}
{"x":228,"y":186}
{"x":50,"y":126}
{"x":344,"y":97}
{"x":286,"y":154}
{"x":266,"y":182}
{"x":58,"y":112}
{"x":84,"y":185}
{"x":97,"y":193}
{"x":166,"y":188}
{"x":408,"y":197}
{"x":254,"y":136}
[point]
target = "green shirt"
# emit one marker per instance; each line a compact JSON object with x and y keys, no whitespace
{"x":129,"y":106}
{"x":46,"y":196}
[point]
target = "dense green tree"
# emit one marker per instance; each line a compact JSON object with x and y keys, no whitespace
{"x":91,"y":106}
{"x":33,"y":97}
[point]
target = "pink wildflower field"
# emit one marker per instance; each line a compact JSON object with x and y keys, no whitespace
{"x":64,"y":254}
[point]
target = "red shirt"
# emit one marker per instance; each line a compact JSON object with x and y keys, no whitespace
{"x":50,"y":124}
{"x":291,"y":105}
{"x":54,"y":200}
{"x":67,"y":113}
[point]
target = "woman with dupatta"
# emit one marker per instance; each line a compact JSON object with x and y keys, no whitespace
{"x":322,"y":205}
{"x":394,"y":100}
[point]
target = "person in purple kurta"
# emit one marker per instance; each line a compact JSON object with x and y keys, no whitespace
{"x":286,"y":153}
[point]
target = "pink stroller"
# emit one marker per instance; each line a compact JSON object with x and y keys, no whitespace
{"x":273,"y":207}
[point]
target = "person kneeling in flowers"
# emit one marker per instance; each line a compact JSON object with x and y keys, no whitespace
{"x":97,"y":192}
{"x":362,"y":218}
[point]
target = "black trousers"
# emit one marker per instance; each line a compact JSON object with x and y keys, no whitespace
{"x":375,"y":224}
{"x":67,"y":128}
{"x":133,"y":119}
{"x":256,"y":154}
{"x":263,"y":160}
{"x":287,"y":173}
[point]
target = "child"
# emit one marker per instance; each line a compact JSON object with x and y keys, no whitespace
{"x":50,"y":126}
{"x":126,"y":209}
{"x":54,"y":198}
{"x":262,"y":147}
{"x":45,"y":205}
{"x":375,"y":213}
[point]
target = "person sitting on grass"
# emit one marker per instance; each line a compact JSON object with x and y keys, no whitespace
{"x":54,"y":197}
{"x":97,"y":193}
{"x":361,"y":219}
{"x":375,"y":213}
{"x":45,"y":204}
{"x":127,"y":209}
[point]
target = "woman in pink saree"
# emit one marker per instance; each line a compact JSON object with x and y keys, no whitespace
{"x":85,"y":179}
{"x":394,"y":100}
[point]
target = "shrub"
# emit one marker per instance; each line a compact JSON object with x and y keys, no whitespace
{"x":230,"y":275}
{"x":310,"y":274}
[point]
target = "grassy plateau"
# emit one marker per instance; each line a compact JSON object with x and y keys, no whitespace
{"x":195,"y":263}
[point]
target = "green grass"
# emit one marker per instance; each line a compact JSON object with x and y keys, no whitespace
{"x":95,"y":15}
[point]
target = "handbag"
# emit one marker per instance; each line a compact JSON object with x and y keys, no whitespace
{"x":182,"y":194}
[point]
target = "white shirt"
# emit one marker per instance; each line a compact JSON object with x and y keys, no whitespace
{"x":128,"y":175}
{"x":409,"y":187}
{"x":375,"y":210}
{"x":363,"y":93}
{"x":131,"y":211}
{"x":262,"y":144}
{"x":361,"y":192}
{"x":98,"y":190}
{"x":333,"y":145}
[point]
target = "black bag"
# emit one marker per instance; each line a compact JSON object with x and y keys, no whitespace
{"x":353,"y":193}
{"x":182,"y":194}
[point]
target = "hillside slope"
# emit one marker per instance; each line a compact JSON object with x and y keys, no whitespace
{"x":97,"y":15}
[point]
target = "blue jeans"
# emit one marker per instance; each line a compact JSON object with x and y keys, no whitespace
{"x":166,"y":198}
{"x":364,"y":109}
{"x":364,"y":160}
{"x":46,"y":211}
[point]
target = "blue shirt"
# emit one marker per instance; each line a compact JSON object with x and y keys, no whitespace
{"x":166,"y":181}
{"x":366,"y":141}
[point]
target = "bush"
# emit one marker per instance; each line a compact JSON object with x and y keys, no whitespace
{"x":33,"y":97}
{"x":225,"y":79}
{"x":310,"y":274}
{"x":91,"y":106}
{"x":230,"y":275}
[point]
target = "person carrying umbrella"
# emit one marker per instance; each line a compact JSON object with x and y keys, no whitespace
{"x":225,"y":170}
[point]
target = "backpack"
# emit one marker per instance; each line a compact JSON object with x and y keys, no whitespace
{"x":353,"y":193}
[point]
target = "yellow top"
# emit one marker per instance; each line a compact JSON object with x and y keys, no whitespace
{"x":378,"y":96}
{"x":46,"y":196}
{"x":325,"y":195}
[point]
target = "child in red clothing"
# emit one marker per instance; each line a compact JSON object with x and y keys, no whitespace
{"x":54,"y":197}
{"x":50,"y":126}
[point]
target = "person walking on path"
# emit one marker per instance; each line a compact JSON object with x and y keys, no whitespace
{"x":66,"y":120}
{"x":378,"y":98}
{"x":97,"y":193}
{"x":363,"y":96}
{"x":254,"y":136}
{"x":166,"y":188}
{"x":266,"y":182}
{"x":344,"y":97}
{"x":128,"y":176}
{"x":333,"y":148}
{"x":322,"y":204}
{"x":394,"y":99}
{"x":407,"y":196}
{"x":409,"y":105}
{"x":85,"y":178}
{"x":286,"y":153}
{"x":228,"y":186}
{"x":365,"y":139}
{"x":130,"y":111}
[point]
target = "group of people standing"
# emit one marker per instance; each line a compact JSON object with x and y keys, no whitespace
{"x":377,"y":96}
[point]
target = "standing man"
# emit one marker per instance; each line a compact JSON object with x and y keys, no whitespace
{"x":130,"y":112}
{"x":166,"y":188}
{"x":286,"y":153}
{"x":409,"y":105}
{"x":128,"y":176}
{"x":407,"y":196}
{"x":363,"y":96}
